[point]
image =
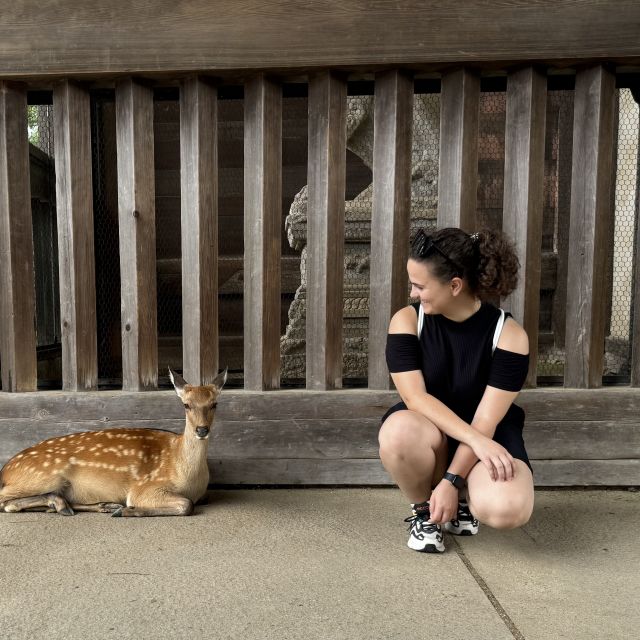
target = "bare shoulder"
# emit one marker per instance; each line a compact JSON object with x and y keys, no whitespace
{"x":514,"y":338}
{"x":404,"y":321}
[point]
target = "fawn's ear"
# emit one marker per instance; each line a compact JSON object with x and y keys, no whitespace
{"x":178,"y":383}
{"x":220,"y":379}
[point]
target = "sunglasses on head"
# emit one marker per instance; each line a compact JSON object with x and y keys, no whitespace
{"x":423,"y":246}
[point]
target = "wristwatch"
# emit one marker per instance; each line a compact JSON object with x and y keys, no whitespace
{"x":455,"y":480}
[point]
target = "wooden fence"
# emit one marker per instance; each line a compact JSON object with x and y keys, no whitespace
{"x":321,"y":435}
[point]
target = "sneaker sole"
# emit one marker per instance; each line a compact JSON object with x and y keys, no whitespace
{"x":460,"y":532}
{"x":429,"y":548}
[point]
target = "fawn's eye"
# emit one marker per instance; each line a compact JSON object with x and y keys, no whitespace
{"x":214,"y":405}
{"x":187,"y":407}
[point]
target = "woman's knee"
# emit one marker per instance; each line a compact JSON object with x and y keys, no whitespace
{"x":503,"y":512}
{"x":404,"y":431}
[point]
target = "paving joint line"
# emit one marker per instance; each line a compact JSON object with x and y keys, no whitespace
{"x":504,"y":616}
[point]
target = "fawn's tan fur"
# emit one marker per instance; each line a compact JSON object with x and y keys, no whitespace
{"x":128,"y":472}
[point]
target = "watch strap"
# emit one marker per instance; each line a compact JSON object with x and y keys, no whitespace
{"x":455,"y":480}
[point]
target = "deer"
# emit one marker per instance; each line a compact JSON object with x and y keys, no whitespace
{"x":128,"y":472}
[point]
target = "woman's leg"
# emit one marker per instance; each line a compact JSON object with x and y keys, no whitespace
{"x":501,"y":505}
{"x":414,"y":452}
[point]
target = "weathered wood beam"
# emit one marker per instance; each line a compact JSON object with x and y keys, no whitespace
{"x":199,"y":229}
{"x":17,"y":290}
{"x":76,"y":261}
{"x":262,"y":232}
{"x":137,"y":229}
{"x":393,"y":120}
{"x":458,"y":173}
{"x":325,"y":229}
{"x":523,"y":191}
{"x":590,"y":225}
{"x":121,"y":37}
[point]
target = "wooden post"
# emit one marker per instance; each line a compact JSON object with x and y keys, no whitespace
{"x":76,"y":261}
{"x":199,"y":230}
{"x":393,"y":120}
{"x":458,"y":173}
{"x":262,"y":232}
{"x":325,"y":230}
{"x":17,"y":290}
{"x":137,"y":228}
{"x":523,"y":196}
{"x":589,"y":226}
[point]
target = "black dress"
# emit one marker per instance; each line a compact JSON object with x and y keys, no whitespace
{"x":457,"y":363}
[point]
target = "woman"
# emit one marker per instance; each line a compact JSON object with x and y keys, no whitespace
{"x":457,"y":391}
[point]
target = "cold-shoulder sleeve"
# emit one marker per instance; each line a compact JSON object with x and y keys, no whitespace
{"x":403,"y":352}
{"x":508,"y":370}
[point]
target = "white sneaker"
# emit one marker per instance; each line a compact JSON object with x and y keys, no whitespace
{"x":425,"y":536}
{"x":464,"y":524}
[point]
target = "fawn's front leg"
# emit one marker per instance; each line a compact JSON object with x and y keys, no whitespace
{"x":156,"y":503}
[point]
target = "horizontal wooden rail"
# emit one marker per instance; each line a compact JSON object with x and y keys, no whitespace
{"x":574,"y":437}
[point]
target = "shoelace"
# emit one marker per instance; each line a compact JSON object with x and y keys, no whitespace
{"x":421,"y":524}
{"x":464,"y":512}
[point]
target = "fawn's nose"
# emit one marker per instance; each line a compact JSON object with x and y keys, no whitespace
{"x":202,"y":432}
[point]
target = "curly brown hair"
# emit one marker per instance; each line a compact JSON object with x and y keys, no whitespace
{"x":486,"y":260}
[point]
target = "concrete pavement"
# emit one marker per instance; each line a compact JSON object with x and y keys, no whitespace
{"x":322,"y":564}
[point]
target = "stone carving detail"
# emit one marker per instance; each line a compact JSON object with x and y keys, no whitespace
{"x":424,"y":186}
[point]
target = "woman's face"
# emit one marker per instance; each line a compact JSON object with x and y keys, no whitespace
{"x":435,"y":297}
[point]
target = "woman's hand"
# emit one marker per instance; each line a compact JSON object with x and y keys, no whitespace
{"x":494,"y":456}
{"x":443,"y":503}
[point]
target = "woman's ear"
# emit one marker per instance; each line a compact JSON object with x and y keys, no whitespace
{"x":456,"y":285}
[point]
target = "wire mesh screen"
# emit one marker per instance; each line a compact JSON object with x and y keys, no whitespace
{"x":491,"y":124}
{"x":618,"y":342}
{"x":294,"y":212}
{"x":231,"y":237}
{"x":555,"y":236}
{"x":106,"y":241}
{"x":166,"y":145}
{"x":45,"y":244}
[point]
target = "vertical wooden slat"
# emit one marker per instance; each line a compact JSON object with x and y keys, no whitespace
{"x":137,"y":229}
{"x":325,"y":230}
{"x":393,"y":119}
{"x":589,"y":225}
{"x":458,"y":173}
{"x":199,"y":229}
{"x":262,"y":232}
{"x":17,"y":290}
{"x":523,"y":191}
{"x":76,"y":261}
